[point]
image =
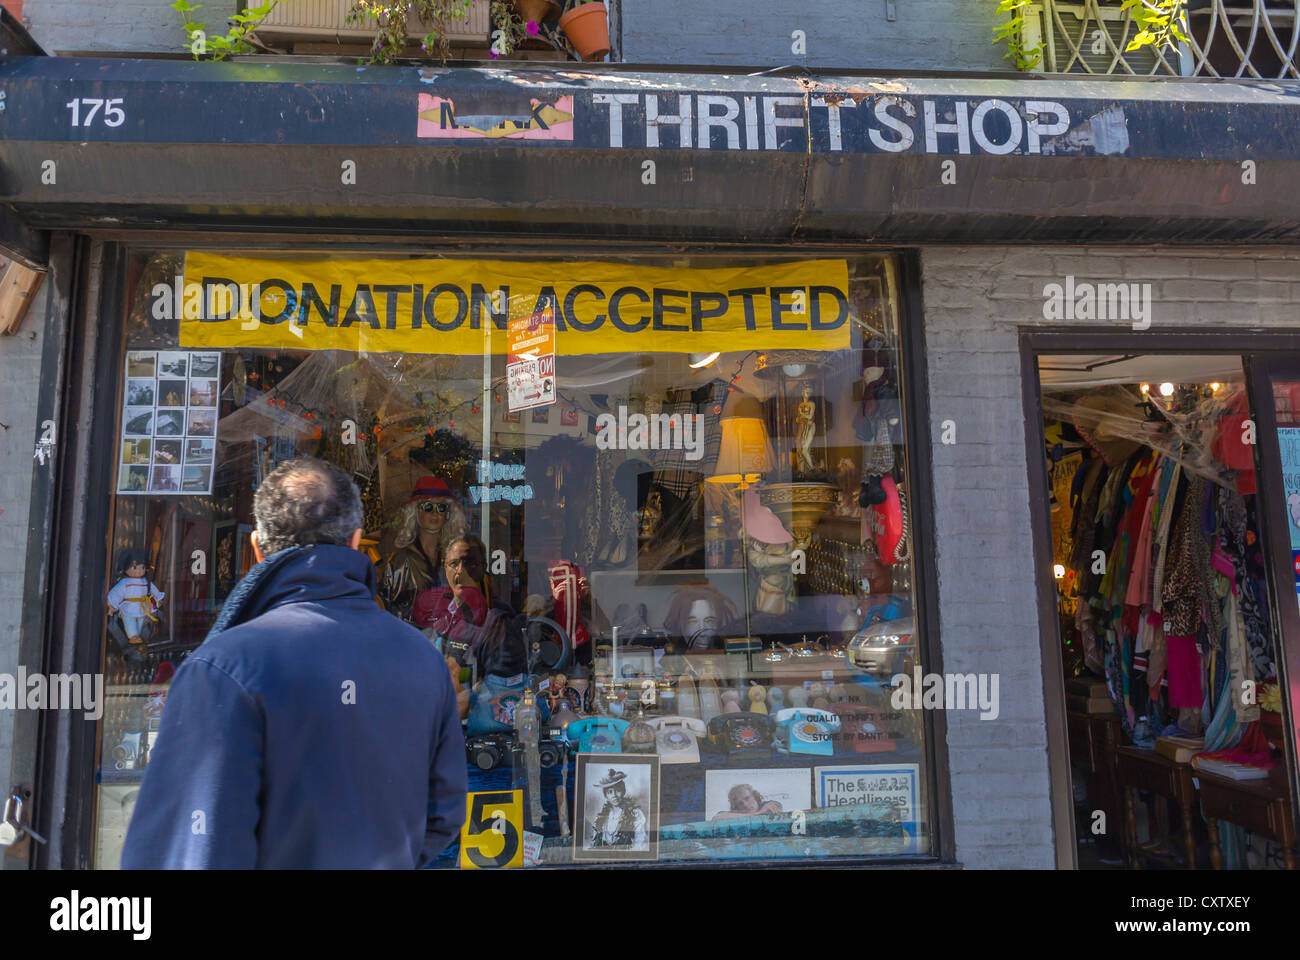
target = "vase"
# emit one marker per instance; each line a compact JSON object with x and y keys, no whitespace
{"x":588,"y":30}
{"x":536,"y":10}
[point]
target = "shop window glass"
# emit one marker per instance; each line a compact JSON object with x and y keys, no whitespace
{"x":673,"y":517}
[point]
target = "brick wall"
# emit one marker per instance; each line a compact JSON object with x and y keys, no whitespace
{"x":20,"y":375}
{"x":975,"y":299}
{"x":927,"y":34}
{"x":137,"y":26}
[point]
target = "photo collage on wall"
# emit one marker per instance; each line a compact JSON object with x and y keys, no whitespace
{"x":169,"y":422}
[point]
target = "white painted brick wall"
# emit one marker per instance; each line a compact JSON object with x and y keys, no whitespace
{"x":119,"y":26}
{"x":20,"y":376}
{"x":976,"y":298}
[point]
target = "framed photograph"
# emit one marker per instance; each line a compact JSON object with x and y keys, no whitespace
{"x":541,"y":414}
{"x":137,"y":451}
{"x":568,"y":416}
{"x":510,"y":416}
{"x":171,"y":393}
{"x":173,"y":364}
{"x":141,"y":363}
{"x":748,"y":793}
{"x":203,"y":423}
{"x":205,"y":365}
{"x":203,"y":393}
{"x":133,"y":479}
{"x":199,"y":451}
{"x":197,"y":480}
{"x":138,"y":422}
{"x":165,"y":480}
{"x":139,"y":393}
{"x":225,"y":554}
{"x":169,"y":423}
{"x":167,"y":453}
{"x":618,"y":807}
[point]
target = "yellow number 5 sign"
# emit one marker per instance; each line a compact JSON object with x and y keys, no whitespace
{"x":493,"y":831}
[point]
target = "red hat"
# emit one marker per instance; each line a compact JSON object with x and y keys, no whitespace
{"x":427,"y":488}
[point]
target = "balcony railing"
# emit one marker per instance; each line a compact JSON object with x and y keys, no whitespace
{"x":1246,"y":38}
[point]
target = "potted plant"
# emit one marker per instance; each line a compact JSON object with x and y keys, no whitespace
{"x":535,"y":11}
{"x":392,"y":17}
{"x":584,"y":23}
{"x":508,"y":28}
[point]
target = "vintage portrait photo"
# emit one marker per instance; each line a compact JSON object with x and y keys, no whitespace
{"x":748,"y":793}
{"x":203,"y":393}
{"x":139,"y":393}
{"x":165,"y":480}
{"x":169,"y":423}
{"x":171,"y":393}
{"x":203,"y":423}
{"x":138,"y":422}
{"x":173,"y":364}
{"x":199,"y":451}
{"x":141,"y":363}
{"x":618,"y":807}
{"x":204,"y":364}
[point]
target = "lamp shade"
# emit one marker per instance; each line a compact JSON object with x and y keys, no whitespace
{"x":745,"y":451}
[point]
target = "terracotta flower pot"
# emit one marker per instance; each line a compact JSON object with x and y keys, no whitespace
{"x":588,"y":29}
{"x":538,"y":10}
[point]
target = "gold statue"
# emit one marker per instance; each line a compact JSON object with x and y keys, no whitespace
{"x":805,"y":428}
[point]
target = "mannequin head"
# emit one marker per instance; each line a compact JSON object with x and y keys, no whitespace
{"x":698,"y":614}
{"x":432,"y":514}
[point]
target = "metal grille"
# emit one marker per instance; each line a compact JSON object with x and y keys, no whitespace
{"x":1246,"y":38}
{"x":328,"y":18}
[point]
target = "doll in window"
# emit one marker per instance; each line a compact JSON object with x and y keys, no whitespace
{"x":134,"y":600}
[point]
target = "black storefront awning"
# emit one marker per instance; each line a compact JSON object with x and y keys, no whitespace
{"x":567,"y":151}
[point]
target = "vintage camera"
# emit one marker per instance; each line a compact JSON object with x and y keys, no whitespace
{"x":553,"y":752}
{"x":489,"y":750}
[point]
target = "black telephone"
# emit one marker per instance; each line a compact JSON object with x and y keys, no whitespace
{"x":745,"y":736}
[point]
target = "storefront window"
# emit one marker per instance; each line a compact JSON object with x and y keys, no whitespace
{"x":690,"y":483}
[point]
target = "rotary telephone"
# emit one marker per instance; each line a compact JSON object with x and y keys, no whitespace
{"x":807,"y":731}
{"x":745,"y":736}
{"x":677,"y":738}
{"x":598,"y":734}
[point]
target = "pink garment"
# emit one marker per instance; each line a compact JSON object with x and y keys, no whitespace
{"x":1184,"y":671}
{"x":1139,"y":577}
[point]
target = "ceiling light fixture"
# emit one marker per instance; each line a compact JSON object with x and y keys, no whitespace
{"x":698,"y":360}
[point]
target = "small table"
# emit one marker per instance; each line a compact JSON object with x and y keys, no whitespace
{"x":1138,"y":769}
{"x":1258,"y":805}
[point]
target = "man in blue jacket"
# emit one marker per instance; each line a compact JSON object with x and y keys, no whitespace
{"x":310,"y":729}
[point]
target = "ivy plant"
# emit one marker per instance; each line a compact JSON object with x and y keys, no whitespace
{"x":1159,"y":24}
{"x":219,"y":46}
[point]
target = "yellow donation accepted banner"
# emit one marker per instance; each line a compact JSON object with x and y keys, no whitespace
{"x":443,"y":306}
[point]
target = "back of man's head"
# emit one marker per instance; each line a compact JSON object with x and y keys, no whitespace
{"x":306,"y":501}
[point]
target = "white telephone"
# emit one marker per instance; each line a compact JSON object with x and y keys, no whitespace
{"x":677,"y":738}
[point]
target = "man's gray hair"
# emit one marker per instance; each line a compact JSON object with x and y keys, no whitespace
{"x":306,"y":501}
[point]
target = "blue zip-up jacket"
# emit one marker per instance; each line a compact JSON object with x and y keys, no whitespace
{"x":310,"y":730}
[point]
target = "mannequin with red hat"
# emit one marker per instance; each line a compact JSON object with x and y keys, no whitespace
{"x":427,"y":524}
